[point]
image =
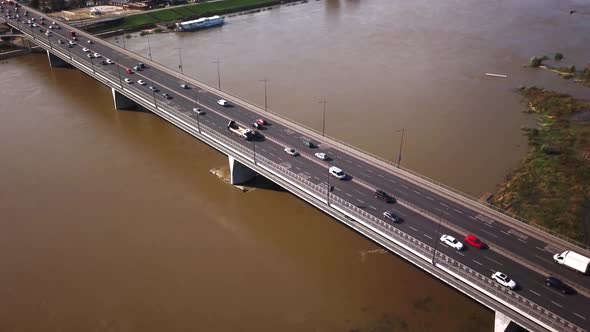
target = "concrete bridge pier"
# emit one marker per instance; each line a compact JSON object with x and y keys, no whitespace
{"x":239,"y":173}
{"x":55,"y":61}
{"x":503,"y":324}
{"x":122,"y":102}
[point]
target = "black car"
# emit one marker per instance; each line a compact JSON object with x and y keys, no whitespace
{"x":103,"y":62}
{"x":257,"y":125}
{"x":309,"y":144}
{"x":383,"y":196}
{"x":167,"y":96}
{"x":559,"y":285}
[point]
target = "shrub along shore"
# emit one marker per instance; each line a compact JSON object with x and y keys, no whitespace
{"x":551,"y":186}
{"x":149,"y":19}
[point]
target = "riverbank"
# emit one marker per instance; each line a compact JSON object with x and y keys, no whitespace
{"x":551,"y":186}
{"x":180,"y":13}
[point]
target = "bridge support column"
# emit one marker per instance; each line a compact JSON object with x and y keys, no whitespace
{"x":122,"y":102}
{"x":503,"y":324}
{"x":238,"y":172}
{"x":55,"y":61}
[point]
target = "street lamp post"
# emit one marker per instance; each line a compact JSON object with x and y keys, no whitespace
{"x":265,"y":99}
{"x":196,"y":110}
{"x":328,"y":188}
{"x":436,"y":239}
{"x":254,"y":149}
{"x":180,"y":59}
{"x":149,"y":47}
{"x":92,"y":62}
{"x":218,"y":74}
{"x":401,"y":143}
{"x":323,"y":101}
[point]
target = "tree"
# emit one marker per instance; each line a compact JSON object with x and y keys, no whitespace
{"x":34,"y":4}
{"x":558,"y":56}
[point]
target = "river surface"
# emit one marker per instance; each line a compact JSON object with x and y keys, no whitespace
{"x":111,"y":221}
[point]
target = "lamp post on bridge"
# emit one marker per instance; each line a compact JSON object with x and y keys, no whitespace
{"x":436,"y":239}
{"x":218,"y":74}
{"x":265,"y":99}
{"x":180,"y":59}
{"x":401,"y":143}
{"x":196,"y":109}
{"x":149,"y":47}
{"x":323,"y":101}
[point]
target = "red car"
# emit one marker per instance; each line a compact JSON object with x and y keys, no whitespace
{"x":474,"y":241}
{"x":260,"y":121}
{"x":129,"y":71}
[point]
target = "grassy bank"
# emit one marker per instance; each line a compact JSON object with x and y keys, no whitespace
{"x":568,"y":72}
{"x":551,"y":186}
{"x":184,"y":13}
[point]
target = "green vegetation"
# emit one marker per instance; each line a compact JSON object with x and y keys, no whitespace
{"x":551,"y":186}
{"x":150,"y":18}
{"x":536,"y":61}
{"x":568,"y":72}
{"x":558,"y":56}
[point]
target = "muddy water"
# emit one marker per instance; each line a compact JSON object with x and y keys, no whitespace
{"x":111,"y":222}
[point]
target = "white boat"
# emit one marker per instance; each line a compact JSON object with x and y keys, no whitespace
{"x":201,"y":23}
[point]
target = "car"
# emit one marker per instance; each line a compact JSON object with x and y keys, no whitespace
{"x":84,"y":49}
{"x":184,"y":86}
{"x":41,"y":30}
{"x":96,"y":55}
{"x":42,"y":18}
{"x":89,"y":55}
{"x":140,"y":82}
{"x":50,"y":27}
{"x":128,"y":80}
{"x":137,"y":68}
{"x":257,"y":125}
{"x":102,"y":62}
{"x":167,"y":96}
{"x":57,"y":27}
{"x":49,"y":34}
{"x":35,"y":25}
{"x":309,"y":143}
{"x":337,"y":172}
{"x":503,"y":280}
{"x":72,"y":42}
{"x":451,"y":241}
{"x":223,"y":102}
{"x":154,"y":89}
{"x":474,"y":241}
{"x":53,"y":22}
{"x":59,"y":41}
{"x":75,"y":38}
{"x":141,"y":65}
{"x":291,"y":151}
{"x":42,"y":23}
{"x":559,"y":285}
{"x":90,"y":41}
{"x":321,"y":156}
{"x":382,"y":195}
{"x":129,"y":71}
{"x":261,"y":121}
{"x":70,"y":45}
{"x":109,"y":61}
{"x":392,"y":216}
{"x":197,"y":110}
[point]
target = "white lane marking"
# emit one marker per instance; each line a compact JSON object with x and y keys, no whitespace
{"x":546,"y":260}
{"x":361,"y":201}
{"x":442,"y":211}
{"x":543,"y":250}
{"x":443,"y":204}
{"x":557,"y":304}
{"x":404,"y":186}
{"x":584,"y":318}
{"x":379,"y":175}
{"x":490,"y":226}
{"x":427,"y":236}
{"x":315,"y":177}
{"x":460,"y":253}
{"x":490,"y":234}
{"x":361,"y":193}
{"x":417,"y":192}
{"x":349,"y":195}
{"x":338,"y":189}
{"x":493,"y":260}
{"x":472,"y":217}
{"x":521,"y":240}
{"x":272,"y":154}
{"x":532,"y":291}
{"x":476,"y":262}
{"x":359,"y":165}
{"x":372,"y":207}
{"x":368,"y":170}
{"x":348,"y":161}
{"x":458,"y":211}
{"x":415,"y":230}
{"x":430,"y":198}
{"x":504,"y":233}
{"x":392,"y":181}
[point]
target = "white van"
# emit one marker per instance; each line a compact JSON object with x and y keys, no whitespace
{"x":337,"y":172}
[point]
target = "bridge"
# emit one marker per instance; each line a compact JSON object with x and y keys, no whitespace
{"x":429,"y":209}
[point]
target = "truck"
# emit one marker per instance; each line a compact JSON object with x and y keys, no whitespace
{"x":73,"y":33}
{"x":573,"y":260}
{"x":245,"y":133}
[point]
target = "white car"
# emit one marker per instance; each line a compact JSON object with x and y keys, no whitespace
{"x":291,"y":151}
{"x":184,"y":86}
{"x":89,"y":55}
{"x":140,"y":82}
{"x":90,"y":41}
{"x":451,"y":241}
{"x":321,"y":155}
{"x":84,"y":49}
{"x":96,"y":55}
{"x":48,"y":34}
{"x":223,"y":102}
{"x":128,"y":80}
{"x":197,"y":110}
{"x":109,"y":61}
{"x":72,"y":42}
{"x":503,"y":280}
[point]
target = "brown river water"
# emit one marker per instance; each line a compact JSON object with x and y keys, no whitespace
{"x":110,"y":221}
